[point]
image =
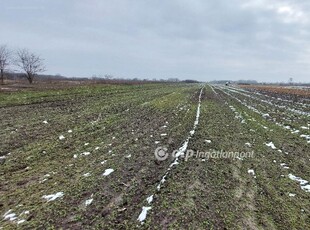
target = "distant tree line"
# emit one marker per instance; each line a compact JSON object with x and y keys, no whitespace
{"x":109,"y":79}
{"x":31,"y":66}
{"x":28,"y":62}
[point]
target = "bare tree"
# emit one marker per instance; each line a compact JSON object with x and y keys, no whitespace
{"x":290,"y":81}
{"x":31,"y":63}
{"x":5,"y":55}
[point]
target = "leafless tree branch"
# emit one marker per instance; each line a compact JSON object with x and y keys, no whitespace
{"x":30,"y":63}
{"x":5,"y":57}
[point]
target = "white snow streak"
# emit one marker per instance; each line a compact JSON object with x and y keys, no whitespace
{"x":88,"y":202}
{"x":108,"y":172}
{"x":143,"y":214}
{"x":271,"y":145}
{"x":150,"y":199}
{"x":179,"y":153}
{"x":85,"y":153}
{"x":9,"y":216}
{"x":53,"y":196}
{"x":304,"y":184}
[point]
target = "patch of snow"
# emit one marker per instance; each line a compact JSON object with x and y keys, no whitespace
{"x":128,"y":156}
{"x":89,"y":201}
{"x":163,"y":134}
{"x":86,"y":174}
{"x":157,"y":142}
{"x":305,"y":136}
{"x":173,"y":163}
{"x":271,"y":145}
{"x":85,"y":153}
{"x":45,"y":178}
{"x":10,"y":216}
{"x":86,"y":144}
{"x":251,"y":171}
{"x":21,"y":221}
{"x":143,"y":213}
{"x":304,"y":184}
{"x":97,"y":148}
{"x":248,"y":144}
{"x":150,"y":199}
{"x":10,"y":210}
{"x":69,"y":131}
{"x":284,"y":165}
{"x":208,"y":141}
{"x":61,"y":137}
{"x":53,"y":196}
{"x":108,"y":172}
{"x":291,"y":194}
{"x":25,"y":212}
{"x":102,"y":162}
{"x":45,"y":122}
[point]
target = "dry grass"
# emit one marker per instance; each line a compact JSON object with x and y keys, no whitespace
{"x":279,"y":89}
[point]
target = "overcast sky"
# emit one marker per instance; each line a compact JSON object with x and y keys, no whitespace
{"x":265,"y":40}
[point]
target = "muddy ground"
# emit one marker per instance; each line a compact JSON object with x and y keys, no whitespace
{"x":62,"y":141}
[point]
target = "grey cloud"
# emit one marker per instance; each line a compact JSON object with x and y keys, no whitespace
{"x":205,"y":40}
